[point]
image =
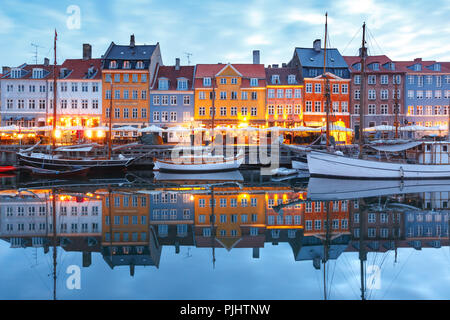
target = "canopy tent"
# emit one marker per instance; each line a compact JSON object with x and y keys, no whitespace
{"x":337,"y":128}
{"x":125,"y":128}
{"x":397,"y":147}
{"x":177,"y":129}
{"x":10,"y":128}
{"x":380,"y":128}
{"x":152,"y":128}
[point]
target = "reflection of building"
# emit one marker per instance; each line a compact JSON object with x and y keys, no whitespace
{"x":172,"y":216}
{"x":127,"y":237}
{"x":26,"y":221}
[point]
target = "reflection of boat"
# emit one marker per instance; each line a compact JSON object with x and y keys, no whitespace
{"x":340,"y":189}
{"x":202,"y":163}
{"x":204,"y":178}
{"x":7,"y":169}
{"x":300,"y":163}
{"x":76,"y":172}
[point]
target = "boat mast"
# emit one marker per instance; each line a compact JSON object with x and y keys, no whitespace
{"x":326,"y":84}
{"x":213,"y":108}
{"x":396,"y":107}
{"x":110,"y":122}
{"x":54,"y":95}
{"x":362,"y":93}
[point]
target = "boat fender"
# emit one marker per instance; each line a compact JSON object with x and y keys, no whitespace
{"x":339,"y":153}
{"x":402,"y":173}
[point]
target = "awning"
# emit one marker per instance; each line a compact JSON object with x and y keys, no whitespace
{"x":397,"y":147}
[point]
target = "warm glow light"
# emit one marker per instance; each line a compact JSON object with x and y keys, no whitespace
{"x":192,"y":198}
{"x":57,"y":134}
{"x":88,"y":134}
{"x":100,"y":134}
{"x":20,"y":136}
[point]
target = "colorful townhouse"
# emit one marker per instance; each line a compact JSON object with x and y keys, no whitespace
{"x":240,"y":94}
{"x":26,"y":94}
{"x":127,"y":71}
{"x":427,"y":92}
{"x":172,"y":97}
{"x":284,"y":96}
{"x":79,"y":96}
{"x":384,"y":87}
{"x":310,"y":62}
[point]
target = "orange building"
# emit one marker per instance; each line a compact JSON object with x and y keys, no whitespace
{"x":127,"y":72}
{"x":240,"y":91}
{"x":284,"y":97}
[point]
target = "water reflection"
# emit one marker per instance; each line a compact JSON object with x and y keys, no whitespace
{"x":130,"y":221}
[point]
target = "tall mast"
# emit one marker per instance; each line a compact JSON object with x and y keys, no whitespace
{"x":110,"y":121}
{"x":326,"y":84}
{"x":362,"y":108}
{"x":213,"y":107}
{"x":396,"y":108}
{"x":54,"y":96}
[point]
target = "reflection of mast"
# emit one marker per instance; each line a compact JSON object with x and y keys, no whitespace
{"x":362,"y":249}
{"x":54,"y":242}
{"x":213,"y":235}
{"x":326,"y":247}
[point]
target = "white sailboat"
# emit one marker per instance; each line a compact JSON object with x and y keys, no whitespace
{"x":431,"y":159}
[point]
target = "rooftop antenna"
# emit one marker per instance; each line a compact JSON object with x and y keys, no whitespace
{"x":36,"y":46}
{"x":188,"y":56}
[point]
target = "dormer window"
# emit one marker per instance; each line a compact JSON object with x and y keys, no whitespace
{"x":182,"y":84}
{"x":291,"y":79}
{"x":254,"y":82}
{"x":140,"y":65}
{"x":376,"y":67}
{"x":392,"y":66}
{"x":126,"y":65}
{"x":437,"y":67}
{"x":163,"y":84}
{"x":275,"y":79}
{"x":113,"y":64}
{"x":206,"y":82}
{"x":357,"y":66}
{"x":15,"y":73}
{"x":417,"y":67}
{"x":38,"y":73}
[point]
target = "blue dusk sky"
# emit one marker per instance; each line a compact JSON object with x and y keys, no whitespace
{"x":224,"y":31}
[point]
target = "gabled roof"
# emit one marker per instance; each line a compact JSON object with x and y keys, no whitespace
{"x":247,"y":71}
{"x":27,"y":71}
{"x":79,"y":68}
{"x":405,"y":66}
{"x":310,"y":58}
{"x":170,"y":73}
{"x":121,"y":53}
{"x":382,"y":60}
{"x":329,"y":75}
{"x":283,"y":72}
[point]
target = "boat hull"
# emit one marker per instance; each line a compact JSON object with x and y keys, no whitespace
{"x":228,"y":165}
{"x":322,"y":164}
{"x":300,"y":165}
{"x":96,"y":166}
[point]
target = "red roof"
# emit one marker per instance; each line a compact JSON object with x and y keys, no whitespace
{"x":382,"y":60}
{"x":403,"y":66}
{"x":170,"y":72}
{"x":29,"y":71}
{"x":79,"y":68}
{"x":247,"y":71}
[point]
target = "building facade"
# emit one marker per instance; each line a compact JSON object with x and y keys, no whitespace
{"x":128,"y":71}
{"x":240,"y":94}
{"x":336,"y":75}
{"x":172,"y":97}
{"x":284,"y":96}
{"x":427,"y":92}
{"x":384,"y":87}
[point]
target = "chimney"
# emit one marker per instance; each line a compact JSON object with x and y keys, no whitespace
{"x":256,"y":57}
{"x":87,"y":51}
{"x":284,"y":65}
{"x":46,"y":61}
{"x":132,"y":44}
{"x":177,"y":64}
{"x":418,"y":60}
{"x":317,"y":45}
{"x":274,"y":66}
{"x":5,"y":70}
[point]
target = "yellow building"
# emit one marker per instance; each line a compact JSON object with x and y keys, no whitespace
{"x":240,"y":94}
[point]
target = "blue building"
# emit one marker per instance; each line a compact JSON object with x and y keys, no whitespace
{"x":172,"y":99}
{"x":310,"y":61}
{"x":427,"y":92}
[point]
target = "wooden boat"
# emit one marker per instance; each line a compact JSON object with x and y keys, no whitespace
{"x":7,"y":169}
{"x":300,"y":163}
{"x":431,"y":162}
{"x":80,"y":172}
{"x":199,"y":164}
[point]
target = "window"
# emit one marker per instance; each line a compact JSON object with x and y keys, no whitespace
{"x":223,"y":80}
{"x":74,"y":104}
{"x":234,"y":95}
{"x":223,"y":111}
{"x":126,"y":77}
{"x":163,"y":84}
{"x":384,"y":109}
{"x":223,"y":95}
{"x":271,"y":93}
{"x":254,"y":82}
{"x":372,"y":95}
{"x":384,"y":79}
{"x":308,"y":106}
{"x":254,"y":112}
{"x":117,"y":77}
{"x":116,"y":94}
{"x":344,"y":89}
{"x":336,"y":106}
{"x":206,"y":82}
{"x":201,"y":111}
{"x":140,"y":65}
{"x":254,"y":95}
{"x":317,"y":88}
{"x":357,"y":94}
{"x":419,"y":94}
{"x":164,"y":116}
{"x":297,"y":93}
{"x":384,"y":94}
{"x":173,"y":100}
{"x":144,"y":94}
{"x":372,"y":109}
{"x":335,"y":88}
{"x":280,"y":93}
{"x":164,"y":100}
{"x":317,"y":106}
{"x":396,"y":79}
{"x":186,"y":100}
{"x":372,"y":79}
{"x":438,"y":94}
{"x":233,"y":80}
{"x":182,"y":84}
{"x":420,"y":81}
{"x":308,"y":88}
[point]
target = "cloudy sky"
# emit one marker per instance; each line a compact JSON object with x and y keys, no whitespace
{"x":223,"y":31}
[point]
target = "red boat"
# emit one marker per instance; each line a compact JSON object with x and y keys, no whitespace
{"x":4,"y":169}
